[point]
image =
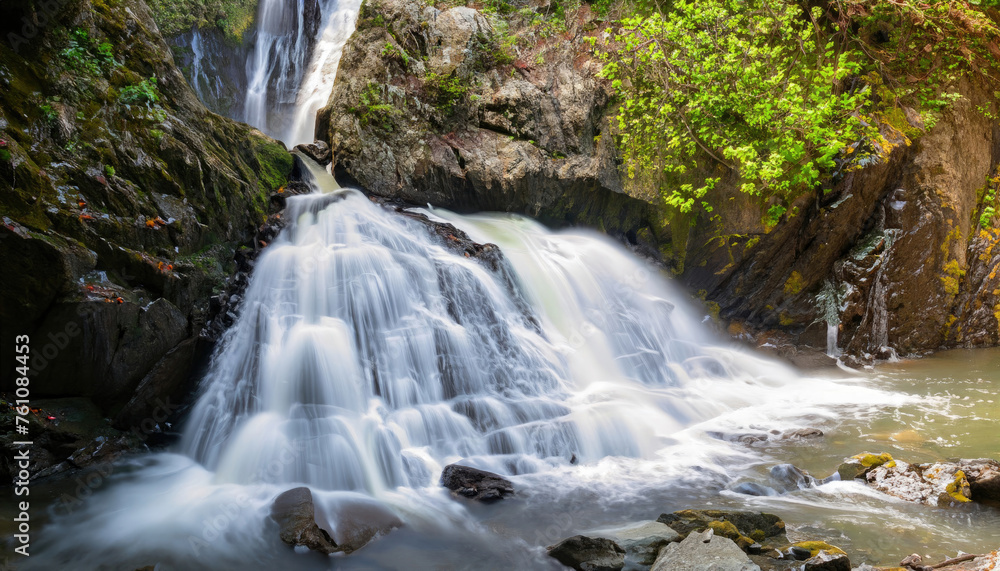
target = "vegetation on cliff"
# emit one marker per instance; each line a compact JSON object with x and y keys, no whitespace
{"x":788,"y":95}
{"x":233,"y":17}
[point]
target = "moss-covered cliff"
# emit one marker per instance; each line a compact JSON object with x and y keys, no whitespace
{"x":122,"y":202}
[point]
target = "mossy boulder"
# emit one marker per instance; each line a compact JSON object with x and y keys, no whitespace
{"x":745,"y":528}
{"x":860,"y":464}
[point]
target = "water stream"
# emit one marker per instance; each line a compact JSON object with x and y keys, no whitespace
{"x":368,"y":355}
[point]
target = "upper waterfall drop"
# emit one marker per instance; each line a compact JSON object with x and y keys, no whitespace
{"x":294,"y":62}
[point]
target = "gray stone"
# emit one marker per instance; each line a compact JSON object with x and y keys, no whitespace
{"x":704,"y":552}
{"x":588,"y":553}
{"x":476,"y":484}
{"x":643,"y":542}
{"x":296,"y":516}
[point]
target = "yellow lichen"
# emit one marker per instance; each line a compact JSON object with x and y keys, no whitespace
{"x":959,"y":488}
{"x":794,"y":284}
{"x":869,"y":460}
{"x":815,"y":547}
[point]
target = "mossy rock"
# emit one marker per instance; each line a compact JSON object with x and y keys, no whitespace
{"x":815,"y":547}
{"x":743,"y":527}
{"x":860,"y":464}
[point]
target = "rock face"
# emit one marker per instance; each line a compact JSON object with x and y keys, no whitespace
{"x":429,"y":106}
{"x":476,"y":484}
{"x":589,"y":553}
{"x":893,"y":256}
{"x":704,"y":551}
{"x":984,"y":478}
{"x":123,"y":200}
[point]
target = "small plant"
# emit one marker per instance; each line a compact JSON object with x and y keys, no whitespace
{"x":83,"y":54}
{"x":446,"y":91}
{"x":157,"y":135}
{"x":395,"y":53}
{"x":374,"y":111}
{"x":109,"y":171}
{"x":48,"y":113}
{"x":143,"y":92}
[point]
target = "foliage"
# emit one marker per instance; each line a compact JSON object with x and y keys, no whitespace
{"x":751,"y":85}
{"x":232,"y":17}
{"x":989,"y":201}
{"x":446,"y":91}
{"x":394,"y":52}
{"x":782,"y":95}
{"x":374,"y":110}
{"x":143,"y":92}
{"x":85,"y":55}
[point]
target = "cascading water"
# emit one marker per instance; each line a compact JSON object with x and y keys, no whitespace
{"x":368,"y":355}
{"x":292,"y":66}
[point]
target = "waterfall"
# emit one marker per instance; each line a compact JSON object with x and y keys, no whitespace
{"x":293,"y":63}
{"x":379,"y":355}
{"x":368,"y":355}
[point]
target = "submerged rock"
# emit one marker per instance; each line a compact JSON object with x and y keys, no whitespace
{"x":643,"y":542}
{"x":476,"y":484}
{"x":296,"y":516}
{"x":704,"y":551}
{"x":351,"y":525}
{"x":588,"y":553}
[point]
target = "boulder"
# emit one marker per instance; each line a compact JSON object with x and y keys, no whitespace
{"x":826,"y":561}
{"x":984,"y":478}
{"x":318,"y":151}
{"x":357,"y":521}
{"x":788,"y":478}
{"x":938,"y":484}
{"x":704,"y":551}
{"x":476,"y":484}
{"x":296,"y":516}
{"x":643,"y":542}
{"x":752,"y":526}
{"x":860,"y":464}
{"x":588,"y":553}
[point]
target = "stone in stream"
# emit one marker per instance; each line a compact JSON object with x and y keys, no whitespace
{"x":788,"y":478}
{"x":588,"y":553}
{"x":747,"y":529}
{"x":704,"y":551}
{"x":984,"y":478}
{"x":939,"y":484}
{"x":859,"y":465}
{"x":476,"y":484}
{"x":318,"y":151}
{"x":643,"y":542}
{"x":296,"y":516}
{"x":358,"y":521}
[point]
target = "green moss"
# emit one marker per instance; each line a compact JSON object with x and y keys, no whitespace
{"x":815,"y":547}
{"x":233,"y":17}
{"x":953,"y":274}
{"x":275,"y":164}
{"x":958,"y":488}
{"x":869,"y":460}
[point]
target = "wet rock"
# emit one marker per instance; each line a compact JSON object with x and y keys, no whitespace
{"x":359,"y":521}
{"x":984,"y":478}
{"x":788,"y":478}
{"x":704,"y":551}
{"x":296,"y":516}
{"x":802,"y":433}
{"x":318,"y":151}
{"x":754,"y":489}
{"x":643,"y":542}
{"x":754,"y":526}
{"x":859,"y":465}
{"x":931,"y":484}
{"x":588,"y":553}
{"x":826,"y":561}
{"x":476,"y":484}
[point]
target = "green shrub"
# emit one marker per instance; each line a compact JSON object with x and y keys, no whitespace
{"x":446,"y":91}
{"x":143,"y":92}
